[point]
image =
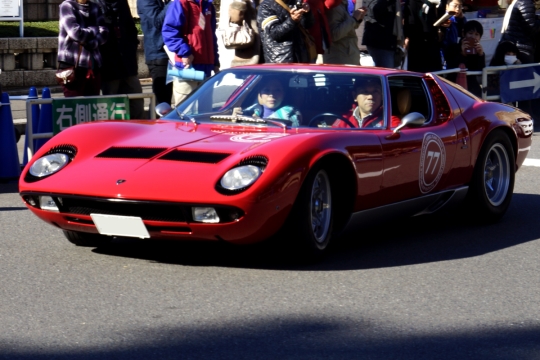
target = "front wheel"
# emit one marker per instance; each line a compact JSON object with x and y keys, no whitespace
{"x":86,"y":239}
{"x":492,"y":184}
{"x":313,"y":216}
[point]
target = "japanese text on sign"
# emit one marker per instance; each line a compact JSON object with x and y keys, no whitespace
{"x":69,"y":112}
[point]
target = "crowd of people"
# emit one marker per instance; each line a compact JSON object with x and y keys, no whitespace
{"x":99,"y":39}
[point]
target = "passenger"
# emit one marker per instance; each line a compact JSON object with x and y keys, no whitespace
{"x":270,"y":98}
{"x":369,"y":111}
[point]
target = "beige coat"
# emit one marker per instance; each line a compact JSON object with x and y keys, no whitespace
{"x":344,"y":48}
{"x":249,"y":55}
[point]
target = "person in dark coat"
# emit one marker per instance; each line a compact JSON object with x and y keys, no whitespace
{"x":424,"y":52}
{"x":152,"y":13}
{"x":379,"y":37}
{"x":520,"y":26}
{"x":120,"y":72}
{"x":282,"y":39}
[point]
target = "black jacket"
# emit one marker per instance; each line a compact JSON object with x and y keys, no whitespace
{"x":119,"y":53}
{"x":522,"y":26}
{"x":379,"y":28}
{"x":282,"y":40}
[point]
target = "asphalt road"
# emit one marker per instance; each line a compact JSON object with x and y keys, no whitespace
{"x":437,"y":287}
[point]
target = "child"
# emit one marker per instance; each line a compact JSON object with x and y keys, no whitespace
{"x":450,"y":33}
{"x":505,"y":54}
{"x":472,"y":54}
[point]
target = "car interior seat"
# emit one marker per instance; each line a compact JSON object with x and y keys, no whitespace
{"x":404,"y":102}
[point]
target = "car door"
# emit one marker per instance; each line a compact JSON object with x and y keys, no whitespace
{"x":417,"y":160}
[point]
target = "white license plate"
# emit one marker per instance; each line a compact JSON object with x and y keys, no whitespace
{"x":130,"y":226}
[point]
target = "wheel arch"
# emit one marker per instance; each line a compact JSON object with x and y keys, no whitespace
{"x":509,"y":132}
{"x":343,"y":182}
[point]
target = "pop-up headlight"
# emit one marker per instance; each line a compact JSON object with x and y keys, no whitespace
{"x":49,"y":164}
{"x":240,"y":177}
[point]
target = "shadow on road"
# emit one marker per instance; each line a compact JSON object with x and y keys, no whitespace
{"x":411,"y":241}
{"x":296,"y":339}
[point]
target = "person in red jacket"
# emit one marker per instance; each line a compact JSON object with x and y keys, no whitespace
{"x":369,"y":110}
{"x":320,"y":29}
{"x":189,"y":31}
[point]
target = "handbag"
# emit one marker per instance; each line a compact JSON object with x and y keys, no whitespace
{"x":309,"y":40}
{"x":67,"y":75}
{"x":237,"y":36}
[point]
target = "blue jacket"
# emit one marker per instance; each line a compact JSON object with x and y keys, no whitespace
{"x":177,"y":42}
{"x":152,"y":14}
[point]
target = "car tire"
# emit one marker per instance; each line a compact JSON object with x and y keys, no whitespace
{"x":86,"y":239}
{"x":492,"y":184}
{"x":312,"y":219}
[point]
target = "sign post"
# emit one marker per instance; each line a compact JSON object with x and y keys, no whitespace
{"x":72,"y":111}
{"x":12,"y":10}
{"x":520,"y":84}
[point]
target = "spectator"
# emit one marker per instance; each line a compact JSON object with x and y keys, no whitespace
{"x":152,"y":14}
{"x":472,"y":54}
{"x":239,"y":11}
{"x":520,"y":27}
{"x":424,"y":51}
{"x":382,"y":31}
{"x":505,"y":54}
{"x":451,"y":33}
{"x":82,"y":31}
{"x":320,"y":29}
{"x":344,"y":48}
{"x":120,"y":71}
{"x":281,"y":36}
{"x":189,"y":31}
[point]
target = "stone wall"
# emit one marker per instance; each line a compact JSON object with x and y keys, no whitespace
{"x":29,"y":62}
{"x":45,"y":10}
{"x":41,"y":10}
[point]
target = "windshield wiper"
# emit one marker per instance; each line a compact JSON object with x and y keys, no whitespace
{"x":249,"y":119}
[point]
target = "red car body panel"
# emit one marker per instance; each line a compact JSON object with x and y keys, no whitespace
{"x":385,"y":165}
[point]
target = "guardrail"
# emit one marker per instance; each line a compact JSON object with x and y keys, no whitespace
{"x":30,"y":131}
{"x":484,"y":73}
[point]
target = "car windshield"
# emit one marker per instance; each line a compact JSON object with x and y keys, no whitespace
{"x":286,"y":98}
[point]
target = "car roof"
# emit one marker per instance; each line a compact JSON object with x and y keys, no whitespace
{"x":330,"y":67}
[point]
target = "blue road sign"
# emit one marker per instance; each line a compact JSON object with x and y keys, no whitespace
{"x":520,"y":84}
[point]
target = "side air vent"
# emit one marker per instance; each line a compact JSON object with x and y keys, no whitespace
{"x":130,"y":153}
{"x":194,"y":156}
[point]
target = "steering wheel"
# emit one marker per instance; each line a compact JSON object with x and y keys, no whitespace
{"x":313,"y":122}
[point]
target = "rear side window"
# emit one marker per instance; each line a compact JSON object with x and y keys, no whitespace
{"x":409,"y":94}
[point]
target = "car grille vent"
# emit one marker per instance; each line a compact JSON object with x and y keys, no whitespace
{"x":153,"y":211}
{"x":130,"y":153}
{"x":69,"y":150}
{"x":257,"y":160}
{"x":195,"y":156}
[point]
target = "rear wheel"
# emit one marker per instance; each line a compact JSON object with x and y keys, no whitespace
{"x":86,"y":239}
{"x":492,"y":184}
{"x":313,"y":216}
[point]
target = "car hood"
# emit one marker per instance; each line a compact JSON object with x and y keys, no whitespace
{"x":157,"y":160}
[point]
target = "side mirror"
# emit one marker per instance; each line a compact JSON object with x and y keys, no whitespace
{"x":163,"y":109}
{"x":413,"y":119}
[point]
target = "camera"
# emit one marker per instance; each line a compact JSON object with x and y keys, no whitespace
{"x":471,"y":47}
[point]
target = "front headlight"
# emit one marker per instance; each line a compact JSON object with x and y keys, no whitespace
{"x":49,"y":164}
{"x":240,"y":177}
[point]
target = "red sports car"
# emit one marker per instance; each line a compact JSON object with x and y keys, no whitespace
{"x":313,"y":150}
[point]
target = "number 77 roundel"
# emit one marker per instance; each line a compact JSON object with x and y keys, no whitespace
{"x":432,"y":161}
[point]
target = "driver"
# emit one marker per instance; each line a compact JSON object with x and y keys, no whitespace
{"x":369,"y":112}
{"x":270,"y":99}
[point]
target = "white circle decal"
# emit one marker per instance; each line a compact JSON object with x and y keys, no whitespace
{"x":432,"y":161}
{"x":256,"y":138}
